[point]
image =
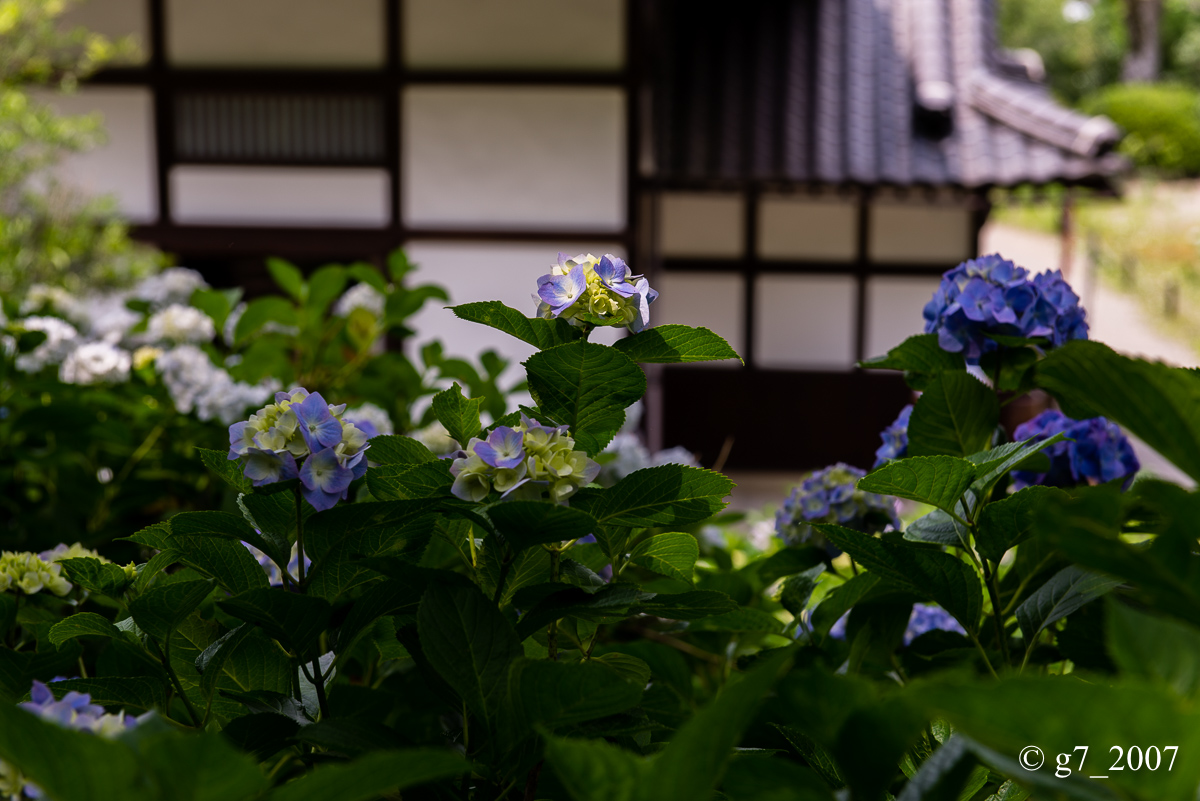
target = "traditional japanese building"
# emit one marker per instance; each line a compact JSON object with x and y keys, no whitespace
{"x":794,"y":174}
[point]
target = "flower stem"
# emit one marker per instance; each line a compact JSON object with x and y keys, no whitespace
{"x":165,"y":658}
{"x":317,"y":678}
{"x":989,"y":577}
{"x":552,"y":632}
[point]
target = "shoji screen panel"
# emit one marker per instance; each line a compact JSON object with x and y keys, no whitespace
{"x":804,"y":321}
{"x":807,"y":229}
{"x":584,"y":35}
{"x":115,"y":19}
{"x":714,"y":300}
{"x":286,"y":196}
{"x":894,"y":310}
{"x":701,"y":225}
{"x":524,"y":158}
{"x":275,"y":33}
{"x":912,"y":233}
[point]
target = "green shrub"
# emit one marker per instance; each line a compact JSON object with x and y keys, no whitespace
{"x":1161,"y":121}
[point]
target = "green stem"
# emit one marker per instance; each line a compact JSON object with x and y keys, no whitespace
{"x":505,"y":566}
{"x":989,"y":577}
{"x":165,"y":658}
{"x":1025,"y":582}
{"x":552,"y":632}
{"x":983,"y":653}
{"x":317,"y":678}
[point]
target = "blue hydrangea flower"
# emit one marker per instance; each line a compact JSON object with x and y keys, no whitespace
{"x":1100,"y":452}
{"x":614,"y":274}
{"x":302,"y":426}
{"x":561,"y":292}
{"x":586,"y":291}
{"x":831,"y":495}
{"x":274,"y":574}
{"x":930,"y":617}
{"x":895,"y":439}
{"x":991,"y":295}
{"x":503,"y":448}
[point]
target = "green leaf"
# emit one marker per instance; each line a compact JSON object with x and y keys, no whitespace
{"x":668,"y":495}
{"x":816,"y":756}
{"x":199,"y":768}
{"x":260,"y":312}
{"x":1010,"y":521}
{"x":323,"y":286}
{"x":945,"y":773}
{"x":692,"y":605}
{"x":595,"y":770}
{"x":83,"y":624}
{"x":459,"y":415}
{"x":211,"y":662}
{"x":764,"y":777}
{"x":694,"y":759}
{"x":138,"y":692}
{"x":96,"y":576}
{"x":921,"y":358}
{"x":613,"y":600}
{"x":940,"y":528}
{"x":675,"y":344}
{"x":288,"y":277}
{"x":672,"y":554}
{"x":372,"y":776}
{"x":936,"y":480}
{"x":294,"y":620}
{"x":798,"y":589}
{"x":410,"y":482}
{"x":1154,"y":648}
{"x":587,"y":387}
{"x":556,"y":694}
{"x":395,"y":449}
{"x":96,"y":769}
{"x":1156,"y":402}
{"x":525,"y":524}
{"x":991,"y":465}
{"x":470,"y":645}
{"x":956,"y":416}
{"x":743,"y":619}
{"x":216,"y":304}
{"x":351,"y":737}
{"x":1066,"y":591}
{"x":789,"y":562}
{"x":926,"y":573}
{"x":542,"y":334}
{"x":841,"y":599}
{"x":159,"y":610}
{"x":228,"y":471}
{"x":226,"y":560}
{"x":630,"y":667}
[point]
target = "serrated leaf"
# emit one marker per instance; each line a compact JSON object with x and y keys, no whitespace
{"x":940,"y":528}
{"x":395,"y":449}
{"x":211,"y":662}
{"x":587,"y":387}
{"x":82,"y":624}
{"x":159,"y":610}
{"x":1066,"y":591}
{"x":138,"y":692}
{"x":399,"y":482}
{"x":613,"y":600}
{"x":926,"y":573}
{"x":742,"y":619}
{"x":1153,"y":648}
{"x":789,"y":562}
{"x":292,"y":619}
{"x":1156,"y":402}
{"x":920,"y":357}
{"x":228,"y":471}
{"x":542,"y":334}
{"x":458,"y":414}
{"x":841,"y":599}
{"x":373,"y":776}
{"x":675,"y":344}
{"x":556,"y":694}
{"x":671,"y":554}
{"x":630,"y":667}
{"x":945,"y":774}
{"x":525,"y":524}
{"x":991,"y":465}
{"x":595,"y":770}
{"x":668,"y":495}
{"x":259,"y":312}
{"x":470,"y":645}
{"x":798,"y":589}
{"x":956,"y":416}
{"x":1010,"y":521}
{"x":96,"y":576}
{"x":691,"y":605}
{"x":936,"y":480}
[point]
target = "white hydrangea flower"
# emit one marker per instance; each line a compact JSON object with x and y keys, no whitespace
{"x":227,"y":400}
{"x":371,"y":414}
{"x":44,"y":296}
{"x":104,"y":315}
{"x":172,"y":285}
{"x":60,"y":339}
{"x":180,"y":324}
{"x":436,"y":438}
{"x":196,"y":384}
{"x":95,"y":363}
{"x":360,"y":296}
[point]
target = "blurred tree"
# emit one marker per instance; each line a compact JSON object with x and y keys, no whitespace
{"x":1144,"y":56}
{"x":48,"y":232}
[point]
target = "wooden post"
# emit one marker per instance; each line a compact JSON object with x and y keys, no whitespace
{"x":1067,"y":234}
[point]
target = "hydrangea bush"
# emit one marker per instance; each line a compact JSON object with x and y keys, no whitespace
{"x":831,"y":495}
{"x":446,"y":626}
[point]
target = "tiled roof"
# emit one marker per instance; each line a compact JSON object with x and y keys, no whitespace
{"x":859,"y":91}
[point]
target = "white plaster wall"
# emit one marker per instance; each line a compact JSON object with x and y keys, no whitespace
{"x":514,"y":34}
{"x":701,"y":224}
{"x":532,"y":158}
{"x":125,"y":165}
{"x":894,"y":310}
{"x":275,"y":33}
{"x":903,"y":233}
{"x":342,"y":196}
{"x":713,"y":300}
{"x":804,"y":321}
{"x":807,"y":229}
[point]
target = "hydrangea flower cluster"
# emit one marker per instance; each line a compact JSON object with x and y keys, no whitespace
{"x":360,"y":296}
{"x":370,"y":418}
{"x":33,"y":572}
{"x":180,"y":324}
{"x":274,"y":574}
{"x":590,"y":291}
{"x":991,"y":295}
{"x":196,"y":384}
{"x":1100,"y":451}
{"x":924,"y":618}
{"x":96,"y":363}
{"x":895,"y":439}
{"x":831,"y":495}
{"x":73,"y":711}
{"x":301,"y":426}
{"x":529,"y":458}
